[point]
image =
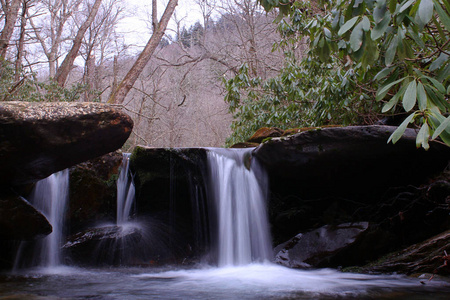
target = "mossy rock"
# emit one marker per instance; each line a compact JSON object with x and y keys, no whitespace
{"x":264,"y":133}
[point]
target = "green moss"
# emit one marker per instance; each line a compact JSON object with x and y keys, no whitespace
{"x":112,"y":180}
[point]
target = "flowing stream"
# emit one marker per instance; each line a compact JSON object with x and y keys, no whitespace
{"x":49,"y":196}
{"x":241,"y":242}
{"x":125,"y":192}
{"x":238,"y":187}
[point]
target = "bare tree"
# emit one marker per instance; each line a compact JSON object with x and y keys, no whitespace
{"x":127,"y":83}
{"x":10,"y":9}
{"x":21,"y":42}
{"x":64,"y":69}
{"x":99,"y":45}
{"x":49,"y":22}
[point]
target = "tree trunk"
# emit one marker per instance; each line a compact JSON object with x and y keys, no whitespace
{"x":154,"y":15}
{"x":23,"y":24}
{"x":127,"y":83}
{"x":63,"y":71}
{"x":11,"y":11}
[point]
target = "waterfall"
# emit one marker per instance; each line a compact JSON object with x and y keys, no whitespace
{"x":125,"y":192}
{"x":238,"y":187}
{"x":49,"y":196}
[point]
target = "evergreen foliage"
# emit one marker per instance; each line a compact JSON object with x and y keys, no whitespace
{"x":365,"y":58}
{"x":28,"y":88}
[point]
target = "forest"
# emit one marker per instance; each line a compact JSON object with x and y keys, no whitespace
{"x":243,"y":65}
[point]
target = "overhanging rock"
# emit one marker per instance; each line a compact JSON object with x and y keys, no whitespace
{"x":40,"y":138}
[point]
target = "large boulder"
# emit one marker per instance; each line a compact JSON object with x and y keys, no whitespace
{"x":38,"y":139}
{"x":355,"y":157}
{"x":351,"y":174}
{"x":320,"y":247}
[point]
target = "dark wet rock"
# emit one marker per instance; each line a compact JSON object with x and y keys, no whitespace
{"x":265,"y":133}
{"x":170,"y":190}
{"x":430,"y":256}
{"x":318,"y":247}
{"x":21,"y":221}
{"x":103,"y":245}
{"x":400,"y":216}
{"x":38,"y":139}
{"x":93,"y":192}
{"x":355,"y":157}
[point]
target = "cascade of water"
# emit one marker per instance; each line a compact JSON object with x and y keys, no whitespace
{"x":125,"y":192}
{"x":238,"y":186}
{"x":49,"y":196}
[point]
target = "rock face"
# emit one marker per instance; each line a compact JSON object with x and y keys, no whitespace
{"x":350,"y":174}
{"x":93,"y":192}
{"x":38,"y":139}
{"x":356,"y":155}
{"x":318,"y":247}
{"x":170,"y":191}
{"x":21,"y":221}
{"x":430,"y":256}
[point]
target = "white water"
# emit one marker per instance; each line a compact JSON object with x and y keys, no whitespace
{"x":238,"y":186}
{"x":254,"y":281}
{"x":49,"y":196}
{"x":125,"y":192}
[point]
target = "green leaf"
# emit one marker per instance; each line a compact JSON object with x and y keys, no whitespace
{"x":406,"y":5}
{"x":392,"y":6}
{"x":439,"y":61}
{"x":390,"y":52}
{"x":423,"y":136}
{"x":445,"y":125}
{"x":425,"y":10}
{"x":365,"y":23}
{"x":327,"y":33}
{"x":371,"y":52}
{"x":382,"y":91}
{"x":356,"y":37}
{"x":409,"y":98}
{"x":421,"y":96}
{"x":445,"y":19}
{"x":443,"y":74}
{"x":381,"y":27}
{"x":440,"y":87}
{"x":397,"y":134}
{"x":380,"y":11}
{"x":435,"y":118}
{"x":436,"y":98}
{"x":388,"y":106}
{"x":383,"y":73}
{"x":347,"y":26}
{"x":416,"y":37}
